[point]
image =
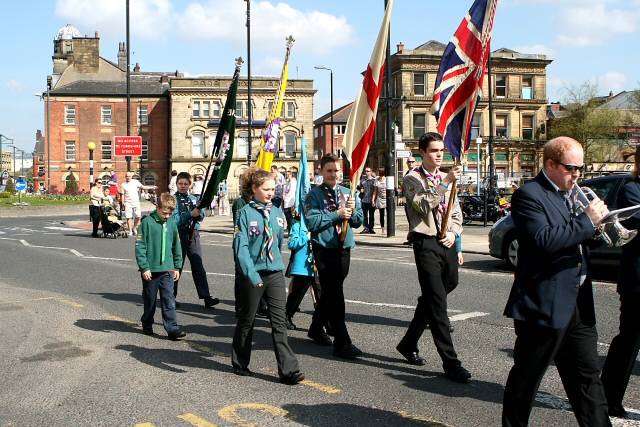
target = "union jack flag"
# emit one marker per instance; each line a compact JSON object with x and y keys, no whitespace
{"x":460,"y":76}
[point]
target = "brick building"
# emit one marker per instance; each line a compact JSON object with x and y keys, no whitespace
{"x":322,"y":131}
{"x":87,"y":103}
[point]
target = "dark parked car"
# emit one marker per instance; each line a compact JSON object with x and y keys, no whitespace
{"x":502,"y":236}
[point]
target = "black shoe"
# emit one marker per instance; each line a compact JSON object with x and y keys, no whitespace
{"x":176,"y":335}
{"x":451,"y":328}
{"x":94,"y":235}
{"x":293,"y":378}
{"x":319,"y":336}
{"x":263,"y":312}
{"x":372,"y":231}
{"x":148,"y":332}
{"x":618,"y":411}
{"x":243,"y":372}
{"x":329,"y":330}
{"x":177,"y":304}
{"x":412,"y":356}
{"x":289,"y":324}
{"x":347,"y":351}
{"x":458,"y":374}
{"x":210,"y":302}
{"x":365,"y":231}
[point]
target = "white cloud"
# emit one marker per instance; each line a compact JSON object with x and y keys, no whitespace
{"x":14,"y":86}
{"x":314,"y":31}
{"x":536,"y":49}
{"x":611,"y":81}
{"x":149,"y":19}
{"x":595,"y":23}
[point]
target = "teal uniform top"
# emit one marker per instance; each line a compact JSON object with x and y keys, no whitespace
{"x":250,"y":241}
{"x":185,"y":203}
{"x":321,"y":216}
{"x":158,"y":245}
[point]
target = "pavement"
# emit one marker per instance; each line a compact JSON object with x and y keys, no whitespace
{"x":474,"y":237}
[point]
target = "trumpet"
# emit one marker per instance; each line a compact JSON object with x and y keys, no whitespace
{"x":610,"y":231}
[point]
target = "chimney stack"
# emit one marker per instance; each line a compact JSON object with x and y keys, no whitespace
{"x":136,"y":69}
{"x":97,"y":35}
{"x":400,"y":47}
{"x":122,"y":56}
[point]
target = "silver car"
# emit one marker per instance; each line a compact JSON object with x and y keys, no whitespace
{"x":503,"y":243}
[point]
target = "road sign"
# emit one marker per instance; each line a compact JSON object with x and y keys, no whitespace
{"x":634,"y":141}
{"x":128,"y":145}
{"x":21,"y":185}
{"x":403,"y":154}
{"x":400,"y":146}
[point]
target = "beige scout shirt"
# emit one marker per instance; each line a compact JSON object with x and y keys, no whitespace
{"x":422,"y":199}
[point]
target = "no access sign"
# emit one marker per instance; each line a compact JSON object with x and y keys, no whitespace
{"x":128,"y":145}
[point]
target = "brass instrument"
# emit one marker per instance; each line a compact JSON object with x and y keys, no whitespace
{"x":610,"y":231}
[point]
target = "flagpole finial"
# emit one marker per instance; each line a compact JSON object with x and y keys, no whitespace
{"x":290,"y":41}
{"x":239,"y":61}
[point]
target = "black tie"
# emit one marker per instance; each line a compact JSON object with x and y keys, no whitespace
{"x":567,"y":201}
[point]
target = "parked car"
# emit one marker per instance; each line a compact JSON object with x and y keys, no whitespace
{"x":502,"y":236}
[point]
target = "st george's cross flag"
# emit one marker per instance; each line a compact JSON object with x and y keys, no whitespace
{"x":459,"y":81}
{"x":361,"y":124}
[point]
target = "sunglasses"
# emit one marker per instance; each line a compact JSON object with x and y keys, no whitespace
{"x":572,"y":168}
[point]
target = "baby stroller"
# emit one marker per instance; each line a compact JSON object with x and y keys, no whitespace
{"x":111,"y":223}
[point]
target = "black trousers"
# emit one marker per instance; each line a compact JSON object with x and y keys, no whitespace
{"x":248,"y":300}
{"x":193,"y":251}
{"x":435,"y":264}
{"x":623,"y":351}
{"x":299,"y":287}
{"x":382,"y":211}
{"x":574,"y":351}
{"x":333,"y":268}
{"x":94,"y":215}
{"x":368,"y":210}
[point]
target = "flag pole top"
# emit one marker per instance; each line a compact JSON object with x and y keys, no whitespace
{"x":239,"y":62}
{"x":290,"y":40}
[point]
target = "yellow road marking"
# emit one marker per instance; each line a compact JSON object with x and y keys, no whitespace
{"x":322,"y":387}
{"x":62,"y":300}
{"x":71,"y":303}
{"x":27,"y":300}
{"x":144,"y":425}
{"x":426,"y":420}
{"x":200,"y":347}
{"x":121,"y":319}
{"x":195,"y":420}
{"x":228,"y":413}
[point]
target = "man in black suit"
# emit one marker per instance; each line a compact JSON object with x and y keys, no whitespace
{"x":624,"y":347}
{"x":551,"y":300}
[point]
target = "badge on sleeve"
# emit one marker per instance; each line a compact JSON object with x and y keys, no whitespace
{"x":253,"y":228}
{"x":280,"y":221}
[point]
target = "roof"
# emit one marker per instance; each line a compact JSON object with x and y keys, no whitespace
{"x":432,"y":45}
{"x":140,"y":85}
{"x":624,"y":101}
{"x":436,"y":46}
{"x":340,"y":115}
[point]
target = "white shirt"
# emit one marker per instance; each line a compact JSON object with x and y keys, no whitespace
{"x":196,"y":188}
{"x":290,"y":195}
{"x":172,"y":185}
{"x":131,"y":191}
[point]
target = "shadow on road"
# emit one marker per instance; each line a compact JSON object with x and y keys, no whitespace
{"x":344,"y":414}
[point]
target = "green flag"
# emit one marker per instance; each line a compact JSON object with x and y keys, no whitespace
{"x":222,"y":152}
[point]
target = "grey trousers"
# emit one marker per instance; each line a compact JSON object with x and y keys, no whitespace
{"x":248,"y":299}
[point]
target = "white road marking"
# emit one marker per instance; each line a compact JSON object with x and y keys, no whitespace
{"x":557,"y":402}
{"x":465,"y":316}
{"x":384,"y":304}
{"x":61,"y":228}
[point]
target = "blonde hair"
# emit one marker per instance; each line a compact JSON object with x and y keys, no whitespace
{"x":167,"y":201}
{"x":253,"y":177}
{"x":555,"y":148}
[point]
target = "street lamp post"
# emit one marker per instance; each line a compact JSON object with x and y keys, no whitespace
{"x":321,"y":67}
{"x":91,"y":146}
{"x":249,"y":109}
{"x":48,"y":150}
{"x":478,"y":143}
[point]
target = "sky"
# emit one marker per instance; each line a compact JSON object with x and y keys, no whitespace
{"x":588,"y":40}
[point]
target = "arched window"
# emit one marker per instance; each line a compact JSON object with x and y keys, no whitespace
{"x":242,"y":144}
{"x":290,"y":144}
{"x":197,"y":144}
{"x":212,"y":141}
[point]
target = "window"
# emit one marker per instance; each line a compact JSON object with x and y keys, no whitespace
{"x":527,"y":127}
{"x":418,"y":84}
{"x":70,"y":151}
{"x":291,"y":110}
{"x":104,"y":179}
{"x":240,"y":112}
{"x":145,"y":150}
{"x":196,"y":108}
{"x":197,"y":144}
{"x":316,"y":132}
{"x":502,"y":130}
{"x":242,"y":144}
{"x":419,"y":125}
{"x":69,"y":114}
{"x":340,"y":129}
{"x":501,"y":157}
{"x":527,"y":87}
{"x":215,"y":109}
{"x":290,"y":144}
{"x":475,"y":126}
{"x":149,"y":179}
{"x":143,"y":115}
{"x":501,"y":86}
{"x":106,"y":150}
{"x":526,"y":158}
{"x":205,"y":108}
{"x":270,"y":106}
{"x":105,"y":115}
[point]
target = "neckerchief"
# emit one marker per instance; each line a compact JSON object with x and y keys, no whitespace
{"x":267,"y":245}
{"x":331,"y":203}
{"x":433,"y":180}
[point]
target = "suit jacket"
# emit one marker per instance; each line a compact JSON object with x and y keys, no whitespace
{"x":421,"y":200}
{"x":546,"y":287}
{"x":629,"y":281}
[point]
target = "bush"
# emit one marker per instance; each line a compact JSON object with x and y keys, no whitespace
{"x":5,"y":195}
{"x":11,"y":186}
{"x":72,"y":185}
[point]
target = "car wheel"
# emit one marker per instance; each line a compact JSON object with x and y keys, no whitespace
{"x":511,"y":252}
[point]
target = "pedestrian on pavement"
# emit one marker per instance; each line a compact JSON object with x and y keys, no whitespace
{"x":185,"y":214}
{"x":159,"y":259}
{"x":427,"y":191}
{"x":379,"y":200}
{"x":279,"y":191}
{"x":289,"y":201}
{"x":368,"y":183}
{"x":411,"y":164}
{"x":96,"y":196}
{"x":130,"y":194}
{"x":223,"y":199}
{"x":325,"y":212}
{"x":300,"y":269}
{"x":196,"y":186}
{"x":257,"y":242}
{"x":172,"y":182}
{"x":551,"y":301}
{"x":624,"y":347}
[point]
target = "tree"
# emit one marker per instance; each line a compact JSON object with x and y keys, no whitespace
{"x":72,"y":185}
{"x":11,"y":186}
{"x":596,"y":128}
